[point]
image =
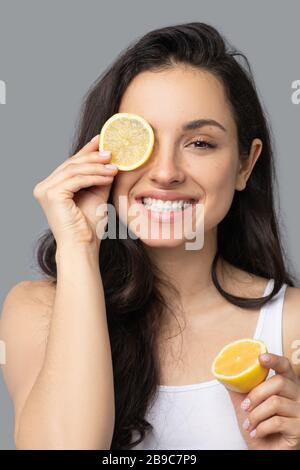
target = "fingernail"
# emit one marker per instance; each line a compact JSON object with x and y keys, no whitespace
{"x":246,"y":424}
{"x":252,"y":433}
{"x":95,"y":138}
{"x":245,"y":404}
{"x":110,"y":166}
{"x":265,"y":357}
{"x":105,"y":153}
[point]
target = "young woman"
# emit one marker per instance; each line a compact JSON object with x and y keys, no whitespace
{"x":112,"y":348}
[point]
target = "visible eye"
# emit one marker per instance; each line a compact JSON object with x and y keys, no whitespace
{"x":201,"y":142}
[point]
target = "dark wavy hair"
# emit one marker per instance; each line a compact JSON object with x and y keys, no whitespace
{"x":248,"y":237}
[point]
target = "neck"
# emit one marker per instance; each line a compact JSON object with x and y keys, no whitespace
{"x":188,"y":270}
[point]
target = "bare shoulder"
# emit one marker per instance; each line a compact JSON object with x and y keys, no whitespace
{"x":39,"y":290}
{"x":24,"y":323}
{"x":29,"y":300}
{"x":291,"y":327}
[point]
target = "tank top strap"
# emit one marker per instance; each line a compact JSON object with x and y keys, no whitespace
{"x":269,"y":329}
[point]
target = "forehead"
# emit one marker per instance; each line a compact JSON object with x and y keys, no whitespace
{"x":171,"y":97}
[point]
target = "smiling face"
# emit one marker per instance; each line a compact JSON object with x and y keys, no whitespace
{"x":209,"y":171}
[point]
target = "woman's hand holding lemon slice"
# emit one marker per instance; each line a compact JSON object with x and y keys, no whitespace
{"x":269,"y":415}
{"x":71,"y":194}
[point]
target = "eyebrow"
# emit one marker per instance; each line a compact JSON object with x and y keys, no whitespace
{"x":201,"y":123}
{"x":196,"y":124}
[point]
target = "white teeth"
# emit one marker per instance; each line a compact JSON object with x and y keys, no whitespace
{"x":164,"y":206}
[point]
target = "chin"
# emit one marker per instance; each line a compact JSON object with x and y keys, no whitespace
{"x":162,"y":243}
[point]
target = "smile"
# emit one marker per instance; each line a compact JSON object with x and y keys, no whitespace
{"x":166,"y":211}
{"x":159,"y":205}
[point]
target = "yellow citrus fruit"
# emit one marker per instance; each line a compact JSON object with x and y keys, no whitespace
{"x":130,"y":139}
{"x":237,"y":365}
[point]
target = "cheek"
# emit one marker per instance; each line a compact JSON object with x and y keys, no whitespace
{"x":219,"y":187}
{"x":217,"y":180}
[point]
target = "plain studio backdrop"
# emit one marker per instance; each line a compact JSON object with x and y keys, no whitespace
{"x":51,"y":52}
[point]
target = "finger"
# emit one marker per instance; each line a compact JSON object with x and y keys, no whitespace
{"x":74,"y":184}
{"x":275,"y":385}
{"x":274,"y":405}
{"x":280,"y":364}
{"x":278,"y":424}
{"x":85,"y":158}
{"x":91,"y":146}
{"x":74,"y":169}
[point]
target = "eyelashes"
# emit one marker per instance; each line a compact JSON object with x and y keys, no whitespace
{"x":200,"y":141}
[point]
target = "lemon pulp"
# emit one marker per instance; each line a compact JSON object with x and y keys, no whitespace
{"x":237,"y":365}
{"x":130,"y":139}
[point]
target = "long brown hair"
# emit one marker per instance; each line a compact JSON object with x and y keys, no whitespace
{"x":248,"y":237}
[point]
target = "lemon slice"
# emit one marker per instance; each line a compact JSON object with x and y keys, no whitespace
{"x":130,"y":139}
{"x":237,"y":365}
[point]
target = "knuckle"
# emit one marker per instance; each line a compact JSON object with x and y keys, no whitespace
{"x":72,"y":169}
{"x":252,"y":397}
{"x":274,"y":402}
{"x":76,"y":179}
{"x":285,"y":362}
{"x":252,"y":417}
{"x":256,"y":395}
{"x":280,"y":380}
{"x":277,"y":422}
{"x":51,"y":194}
{"x":37,"y":190}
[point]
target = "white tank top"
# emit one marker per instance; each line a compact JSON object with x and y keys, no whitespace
{"x":201,"y":416}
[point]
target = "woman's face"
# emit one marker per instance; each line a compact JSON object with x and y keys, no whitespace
{"x":180,"y":163}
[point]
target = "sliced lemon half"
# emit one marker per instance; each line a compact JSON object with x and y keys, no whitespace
{"x":129,"y":137}
{"x":237,"y":365}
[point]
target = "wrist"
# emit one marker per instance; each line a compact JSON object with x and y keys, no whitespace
{"x":70,"y":252}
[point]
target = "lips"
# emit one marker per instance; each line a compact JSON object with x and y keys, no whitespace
{"x":166,"y":196}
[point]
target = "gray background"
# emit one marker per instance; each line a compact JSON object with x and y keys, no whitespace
{"x":50,"y":53}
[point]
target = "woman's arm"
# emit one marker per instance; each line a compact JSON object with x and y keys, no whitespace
{"x":71,"y":402}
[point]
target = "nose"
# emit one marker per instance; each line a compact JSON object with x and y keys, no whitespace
{"x":165,"y":167}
